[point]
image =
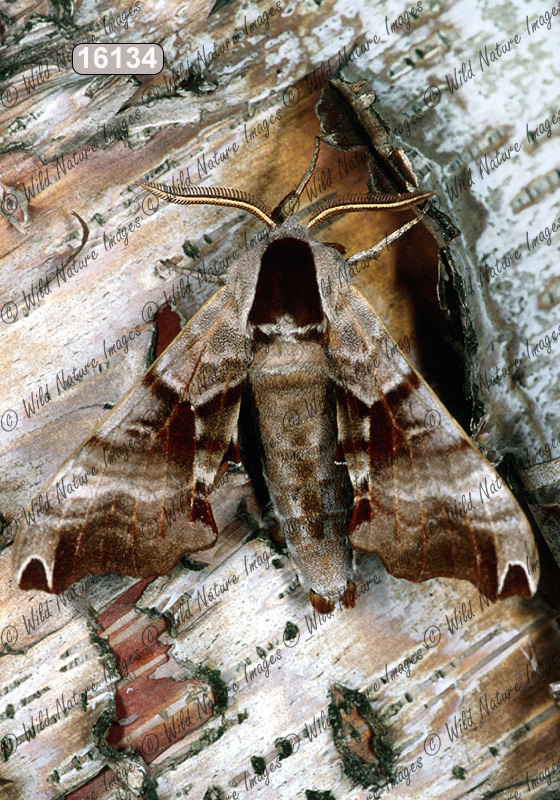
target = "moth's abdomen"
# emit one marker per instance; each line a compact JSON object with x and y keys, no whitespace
{"x":294,"y":414}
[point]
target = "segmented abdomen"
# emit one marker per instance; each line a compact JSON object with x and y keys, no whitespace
{"x":294,"y":412}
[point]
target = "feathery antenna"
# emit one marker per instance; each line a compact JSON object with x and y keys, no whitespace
{"x":214,"y":197}
{"x":366,"y":202}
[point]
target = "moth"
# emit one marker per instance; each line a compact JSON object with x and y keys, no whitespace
{"x":287,"y":362}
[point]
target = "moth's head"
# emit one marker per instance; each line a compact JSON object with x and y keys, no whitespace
{"x":289,"y":243}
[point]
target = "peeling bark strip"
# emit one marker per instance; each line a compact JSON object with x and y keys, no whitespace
{"x":65,"y":381}
{"x":44,"y":610}
{"x":486,"y":59}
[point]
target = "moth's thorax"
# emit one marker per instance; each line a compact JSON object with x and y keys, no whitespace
{"x":287,"y":285}
{"x":289,"y":273}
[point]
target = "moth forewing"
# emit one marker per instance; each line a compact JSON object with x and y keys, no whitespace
{"x":143,"y":478}
{"x":426,"y":500}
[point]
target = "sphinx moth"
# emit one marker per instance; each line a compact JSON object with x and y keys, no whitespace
{"x":290,"y":356}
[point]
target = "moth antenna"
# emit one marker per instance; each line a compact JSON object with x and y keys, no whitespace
{"x":213,"y":197}
{"x":366,"y":202}
{"x":290,"y":203}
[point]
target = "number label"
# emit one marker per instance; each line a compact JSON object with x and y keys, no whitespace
{"x":117,"y":59}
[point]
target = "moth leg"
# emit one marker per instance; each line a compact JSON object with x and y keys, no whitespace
{"x":364,"y":254}
{"x":290,"y":203}
{"x":309,"y":171}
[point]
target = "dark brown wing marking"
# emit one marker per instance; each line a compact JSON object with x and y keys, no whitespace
{"x":137,"y":495}
{"x":426,"y":500}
